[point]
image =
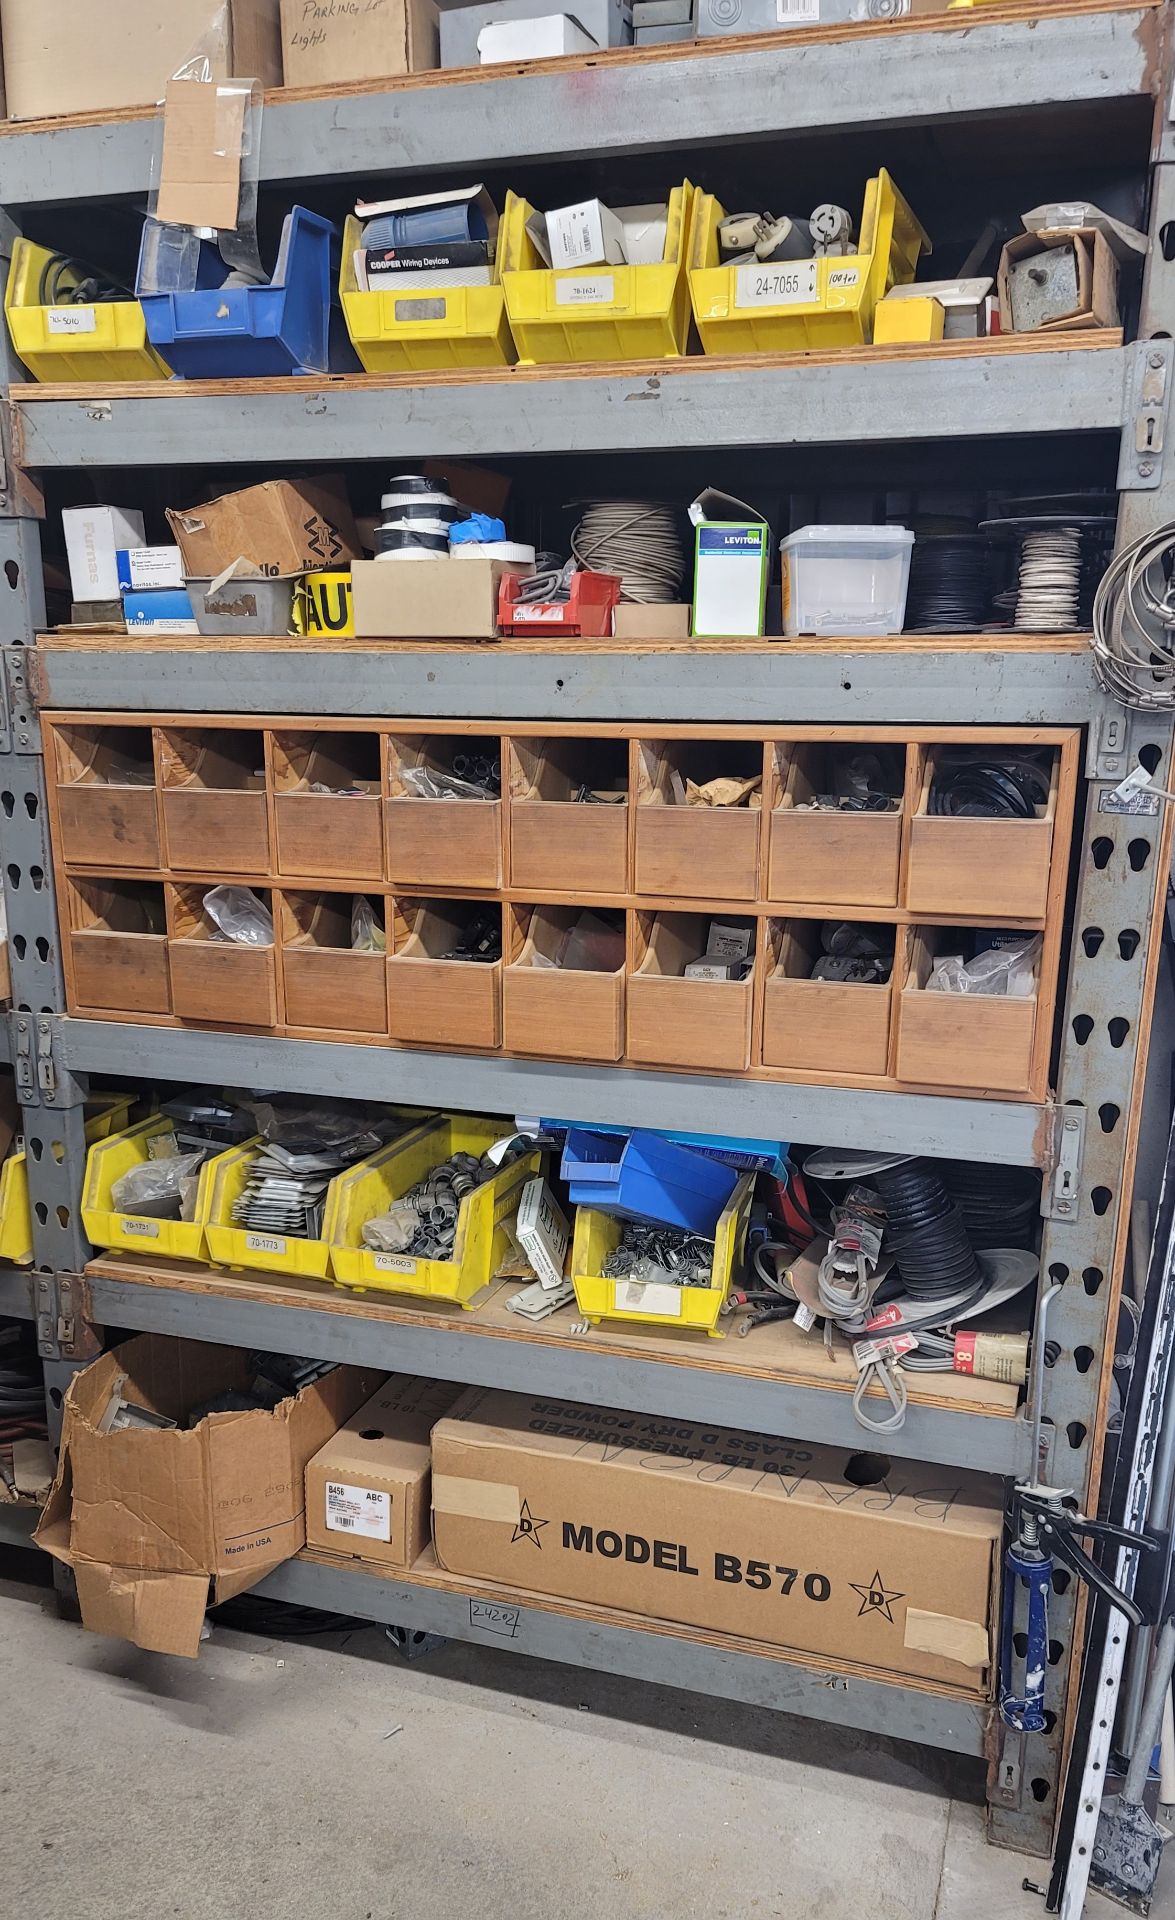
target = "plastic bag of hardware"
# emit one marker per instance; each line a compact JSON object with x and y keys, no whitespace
{"x":394,"y":1230}
{"x":427,"y":785}
{"x":1009,"y":971}
{"x":241,"y":915}
{"x":308,"y":1128}
{"x":367,"y":936}
{"x":590,"y":945}
{"x":156,"y":1188}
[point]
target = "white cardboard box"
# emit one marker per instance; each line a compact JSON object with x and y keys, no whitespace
{"x":546,"y":38}
{"x":141,"y":569}
{"x":585,"y":235}
{"x":93,"y":536}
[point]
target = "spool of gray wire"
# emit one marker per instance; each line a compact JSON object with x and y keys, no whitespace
{"x":1134,"y":624}
{"x":638,"y":539}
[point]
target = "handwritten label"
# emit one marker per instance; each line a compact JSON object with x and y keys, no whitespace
{"x":841,"y":277}
{"x":492,"y":1619}
{"x":791,"y":284}
{"x":585,"y":290}
{"x":71,"y":320}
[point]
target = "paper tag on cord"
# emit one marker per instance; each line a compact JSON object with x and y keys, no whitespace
{"x":866,"y":1351}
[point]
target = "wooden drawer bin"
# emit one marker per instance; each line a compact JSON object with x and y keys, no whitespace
{"x":995,"y":868}
{"x":674,"y":1022}
{"x":107,"y":806}
{"x":336,"y":832}
{"x":434,"y":1002}
{"x":328,"y":985}
{"x":216,"y":981}
{"x":695,"y":853}
{"x":117,"y":958}
{"x":561,"y":1012}
{"x":441,"y":843}
{"x":976,"y":1042}
{"x":215,"y":809}
{"x":821,"y":1026}
{"x":557,"y":841}
{"x":828,"y":855}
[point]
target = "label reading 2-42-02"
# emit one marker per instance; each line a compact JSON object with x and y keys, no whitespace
{"x":791,"y":284}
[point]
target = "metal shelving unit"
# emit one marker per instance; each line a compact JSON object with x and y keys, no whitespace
{"x":978,"y":67}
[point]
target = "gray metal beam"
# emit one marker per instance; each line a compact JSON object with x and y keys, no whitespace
{"x":1010,"y":687}
{"x":627,"y":105}
{"x":687,"y":403}
{"x":1004,"y":1132}
{"x":585,"y":1372}
{"x":663,"y":1658}
{"x":16,"y":1293}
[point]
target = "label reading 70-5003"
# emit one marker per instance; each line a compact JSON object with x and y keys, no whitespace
{"x":761,"y":1575}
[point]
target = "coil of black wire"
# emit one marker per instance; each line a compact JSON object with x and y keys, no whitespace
{"x":950,"y":587}
{"x":1011,"y":787}
{"x":999,"y":1205}
{"x":925,"y":1232}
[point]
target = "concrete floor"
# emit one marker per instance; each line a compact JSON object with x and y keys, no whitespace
{"x":296,"y":1778}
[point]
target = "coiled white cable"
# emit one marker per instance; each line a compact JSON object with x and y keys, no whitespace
{"x":1134,"y":624}
{"x":638,"y":539}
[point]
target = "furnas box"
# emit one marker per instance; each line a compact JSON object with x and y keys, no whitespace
{"x":888,"y":1565}
{"x":367,"y":1489}
{"x":148,"y":1516}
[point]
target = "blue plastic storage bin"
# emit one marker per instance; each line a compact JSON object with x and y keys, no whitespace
{"x":643,"y":1177}
{"x":208,"y":331}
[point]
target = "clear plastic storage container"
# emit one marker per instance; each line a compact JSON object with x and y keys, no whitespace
{"x":845,"y":580}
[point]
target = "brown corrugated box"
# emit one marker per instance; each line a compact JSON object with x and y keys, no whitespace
{"x":435,"y":599}
{"x":71,"y":56}
{"x":367,"y":1489}
{"x":147,"y":1518}
{"x":771,"y":1540}
{"x":323,"y":43}
{"x":281,"y":527}
{"x":1097,"y":277}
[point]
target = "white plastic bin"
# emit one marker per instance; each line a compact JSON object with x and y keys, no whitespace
{"x":845,"y":580}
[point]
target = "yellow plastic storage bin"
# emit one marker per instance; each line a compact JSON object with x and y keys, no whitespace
{"x":599,"y":1234}
{"x":425,"y":329}
{"x":104,"y":1112}
{"x":107,"y":341}
{"x":483,"y":1239}
{"x":826,"y":302}
{"x":106,"y":1162}
{"x":231,"y":1246}
{"x":598,"y":313}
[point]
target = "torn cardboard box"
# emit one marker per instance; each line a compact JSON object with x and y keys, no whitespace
{"x":147,"y":1518}
{"x":324,"y":43}
{"x":367,"y":1489}
{"x":864,"y":1562}
{"x":280,"y":527}
{"x":1058,"y":280}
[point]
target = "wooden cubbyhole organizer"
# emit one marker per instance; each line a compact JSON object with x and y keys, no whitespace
{"x":337,"y":832}
{"x":233,"y":800}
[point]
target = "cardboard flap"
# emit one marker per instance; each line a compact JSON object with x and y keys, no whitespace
{"x":160,"y":1612}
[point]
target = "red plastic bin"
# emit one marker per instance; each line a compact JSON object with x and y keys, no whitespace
{"x":589,"y":610}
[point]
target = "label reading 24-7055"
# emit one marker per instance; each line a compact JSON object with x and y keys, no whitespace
{"x":791,"y":284}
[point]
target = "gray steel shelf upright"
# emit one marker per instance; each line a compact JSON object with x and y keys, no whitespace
{"x":925,"y":74}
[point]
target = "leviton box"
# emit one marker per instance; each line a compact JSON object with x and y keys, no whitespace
{"x":854,"y":1560}
{"x":731,"y":560}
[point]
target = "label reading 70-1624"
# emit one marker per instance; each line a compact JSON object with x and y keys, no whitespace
{"x":761,"y":1575}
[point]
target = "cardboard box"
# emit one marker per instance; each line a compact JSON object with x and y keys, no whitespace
{"x":147,"y":1518}
{"x":1095,"y":278}
{"x":664,"y":620}
{"x":367,"y":1489}
{"x":607,"y":22}
{"x":323,"y":42}
{"x":587,"y":234}
{"x":545,"y":37}
{"x":731,"y":564}
{"x":772,"y":1540}
{"x":159,"y":610}
{"x":441,"y":599}
{"x":93,"y":536}
{"x":280,"y":527}
{"x":145,"y":569}
{"x":61,"y":56}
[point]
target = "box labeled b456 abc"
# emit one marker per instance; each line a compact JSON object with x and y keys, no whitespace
{"x":875,"y":1564}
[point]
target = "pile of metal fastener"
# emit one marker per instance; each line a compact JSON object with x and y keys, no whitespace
{"x":481,"y":939}
{"x":285,"y":1188}
{"x":655,"y":1253}
{"x":423,"y":1222}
